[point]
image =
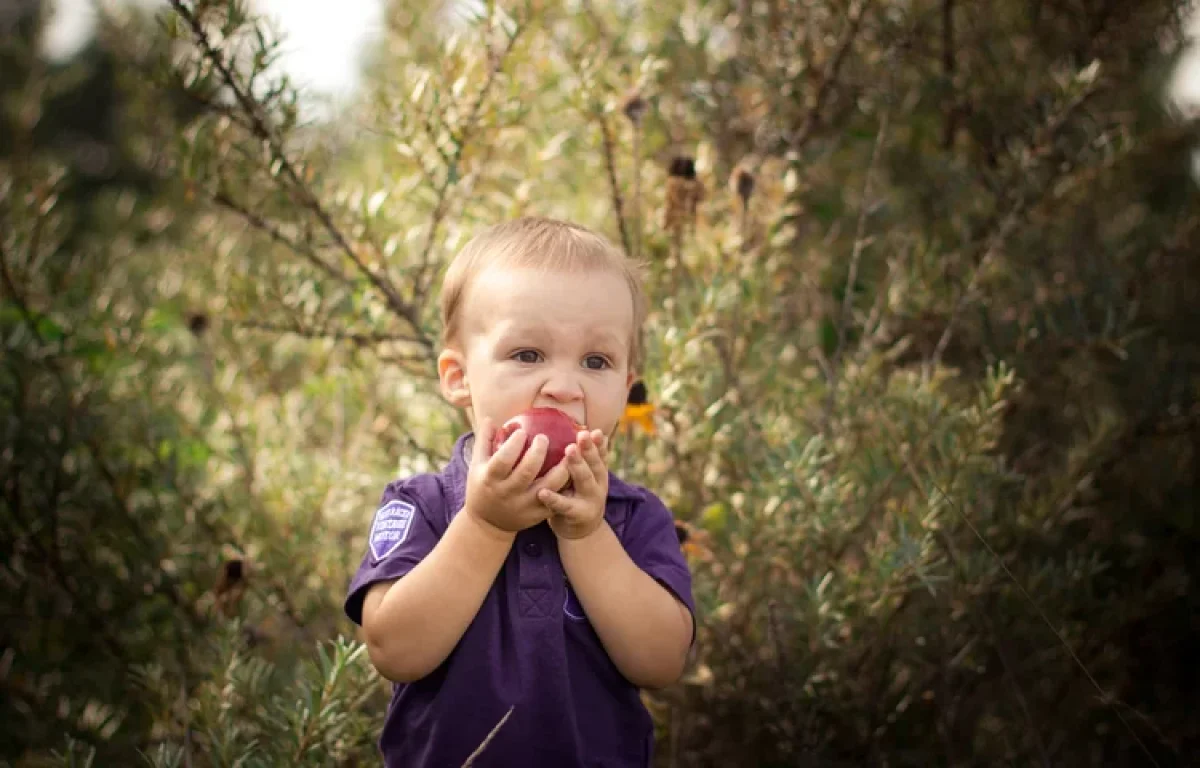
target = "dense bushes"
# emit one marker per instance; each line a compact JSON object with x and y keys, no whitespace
{"x":920,"y":363}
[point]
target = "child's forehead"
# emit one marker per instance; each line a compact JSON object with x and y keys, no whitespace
{"x":578,"y":288}
{"x":532,"y":300}
{"x":533,"y":327}
{"x":538,"y":274}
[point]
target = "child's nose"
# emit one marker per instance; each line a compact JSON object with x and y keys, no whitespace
{"x":563,"y":387}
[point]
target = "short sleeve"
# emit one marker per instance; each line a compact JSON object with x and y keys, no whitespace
{"x":403,"y":530}
{"x":652,"y":544}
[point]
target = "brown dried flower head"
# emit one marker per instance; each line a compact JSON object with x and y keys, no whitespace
{"x":198,"y":323}
{"x":743,"y":183}
{"x":682,"y":167}
{"x":230,"y":587}
{"x":683,"y":193}
{"x":634,"y":107}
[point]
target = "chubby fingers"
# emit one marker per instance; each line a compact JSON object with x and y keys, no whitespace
{"x":578,"y":473}
{"x":507,"y":463}
{"x":594,"y":437}
{"x":531,"y":463}
{"x":556,"y":478}
{"x":591,"y":447}
{"x":500,"y":465}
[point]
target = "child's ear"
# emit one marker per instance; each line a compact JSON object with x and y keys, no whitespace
{"x":452,"y":375}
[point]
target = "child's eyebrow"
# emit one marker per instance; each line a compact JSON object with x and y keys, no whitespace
{"x":600,"y":340}
{"x":605,"y":340}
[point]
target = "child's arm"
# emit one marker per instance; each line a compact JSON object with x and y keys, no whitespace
{"x":413,"y":623}
{"x":646,"y":630}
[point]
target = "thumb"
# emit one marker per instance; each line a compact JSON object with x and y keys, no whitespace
{"x":555,"y":502}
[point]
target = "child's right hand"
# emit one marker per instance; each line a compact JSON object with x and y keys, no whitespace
{"x":502,"y":492}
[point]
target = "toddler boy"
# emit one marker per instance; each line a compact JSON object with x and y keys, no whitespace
{"x":486,"y":589}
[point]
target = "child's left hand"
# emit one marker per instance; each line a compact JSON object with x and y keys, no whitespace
{"x":579,"y":511}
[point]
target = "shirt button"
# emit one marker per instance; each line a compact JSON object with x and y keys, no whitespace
{"x":532,"y":549}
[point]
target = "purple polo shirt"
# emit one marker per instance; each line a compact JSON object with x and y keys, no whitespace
{"x":530,"y":647}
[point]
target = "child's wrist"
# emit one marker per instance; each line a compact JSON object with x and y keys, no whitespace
{"x":488,"y":528}
{"x":576,"y":537}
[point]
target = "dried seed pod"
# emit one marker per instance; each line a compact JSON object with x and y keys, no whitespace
{"x":198,"y":323}
{"x":684,"y":192}
{"x":682,"y":167}
{"x":637,"y":393}
{"x":743,"y":184}
{"x":231,"y":585}
{"x":634,"y":107}
{"x":681,"y":532}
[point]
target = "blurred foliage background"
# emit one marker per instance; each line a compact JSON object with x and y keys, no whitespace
{"x":921,"y":360}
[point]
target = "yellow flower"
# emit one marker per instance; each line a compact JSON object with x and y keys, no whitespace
{"x":638,"y":410}
{"x":692,"y":541}
{"x":641,"y":415}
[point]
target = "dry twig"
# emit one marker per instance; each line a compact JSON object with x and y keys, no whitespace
{"x":479,"y":750}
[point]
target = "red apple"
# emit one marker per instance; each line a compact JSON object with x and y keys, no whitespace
{"x":557,"y":426}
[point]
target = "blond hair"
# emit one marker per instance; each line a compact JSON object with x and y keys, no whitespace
{"x":539,"y":243}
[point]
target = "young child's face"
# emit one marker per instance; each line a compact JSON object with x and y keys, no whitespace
{"x":532,"y":338}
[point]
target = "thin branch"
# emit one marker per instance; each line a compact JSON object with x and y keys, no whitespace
{"x":674,"y":726}
{"x":431,"y":132}
{"x":404,"y":360}
{"x":479,"y":750}
{"x":358,"y":339}
{"x":1126,"y":444}
{"x":639,"y":228}
{"x":305,"y":196}
{"x":1034,"y":157}
{"x":597,"y":22}
{"x":187,"y":718}
{"x":59,"y":574}
{"x":876,"y":499}
{"x":829,"y":76}
{"x":470,"y":124}
{"x":1105,"y":696}
{"x":1001,"y":649}
{"x":51,"y":556}
{"x":170,"y":588}
{"x":835,"y":368}
{"x":398,"y":137}
{"x":951,"y":119}
{"x":614,"y":186}
{"x":875,"y":319}
{"x":275,"y":233}
{"x":997,"y":241}
{"x":610,"y":41}
{"x":859,"y":237}
{"x":609,"y":146}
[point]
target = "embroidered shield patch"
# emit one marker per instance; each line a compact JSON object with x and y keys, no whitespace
{"x":390,"y":529}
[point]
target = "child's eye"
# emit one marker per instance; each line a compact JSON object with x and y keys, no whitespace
{"x":527,"y":356}
{"x":595,"y":362}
